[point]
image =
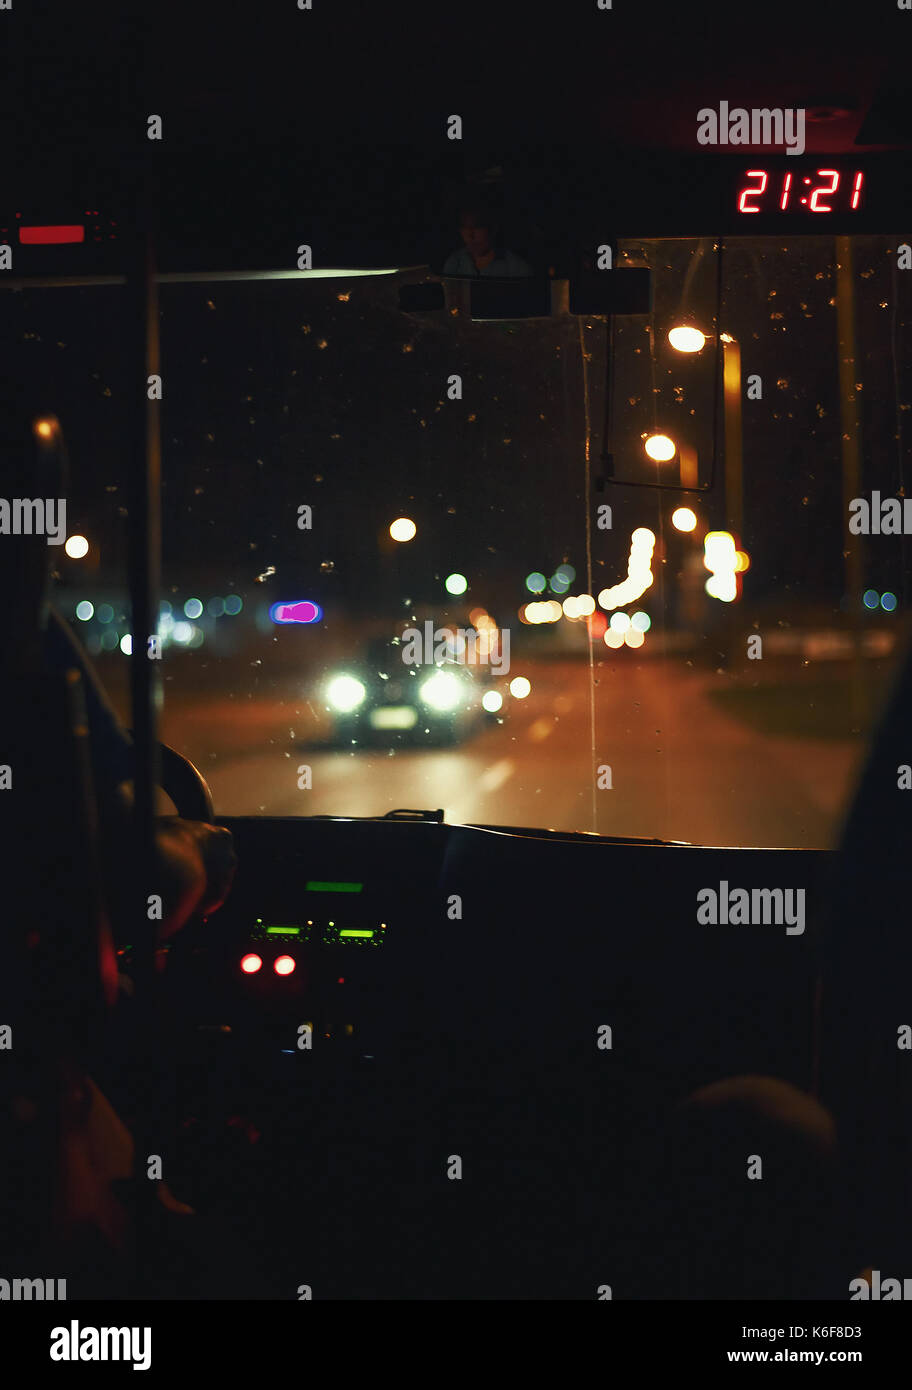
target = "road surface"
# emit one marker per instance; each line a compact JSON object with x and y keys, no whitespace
{"x":681,"y":768}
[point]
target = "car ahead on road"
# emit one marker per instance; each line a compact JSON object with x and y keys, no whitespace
{"x":379,"y":699}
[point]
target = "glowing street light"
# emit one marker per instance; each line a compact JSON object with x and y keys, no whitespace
{"x":660,"y":448}
{"x":683,"y":519}
{"x":403,"y":529}
{"x":685,"y":339}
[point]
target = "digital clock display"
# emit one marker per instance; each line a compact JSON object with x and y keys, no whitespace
{"x":814,"y":191}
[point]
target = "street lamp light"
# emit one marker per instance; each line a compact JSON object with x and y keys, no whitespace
{"x":685,"y":338}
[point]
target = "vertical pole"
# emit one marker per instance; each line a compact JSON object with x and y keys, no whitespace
{"x":734,"y":461}
{"x":144,"y":467}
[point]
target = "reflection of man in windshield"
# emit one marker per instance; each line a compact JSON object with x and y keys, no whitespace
{"x":481,"y":254}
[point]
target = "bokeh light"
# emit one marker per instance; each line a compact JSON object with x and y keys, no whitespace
{"x":686,"y":339}
{"x":660,"y":448}
{"x":77,"y":547}
{"x":403,"y":529}
{"x":683,"y":519}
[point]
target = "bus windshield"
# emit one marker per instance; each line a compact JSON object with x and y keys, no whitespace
{"x":397,"y":570}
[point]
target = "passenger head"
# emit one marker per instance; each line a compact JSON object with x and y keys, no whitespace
{"x":478,"y":228}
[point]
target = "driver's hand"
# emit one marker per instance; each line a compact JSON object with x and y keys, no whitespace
{"x":197,"y":865}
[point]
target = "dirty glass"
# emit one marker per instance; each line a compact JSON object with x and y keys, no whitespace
{"x":571,"y":670}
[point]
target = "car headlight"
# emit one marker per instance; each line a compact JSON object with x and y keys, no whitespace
{"x":345,"y":693}
{"x":442,"y":691}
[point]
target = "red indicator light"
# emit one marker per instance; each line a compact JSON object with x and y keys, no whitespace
{"x":251,"y":964}
{"x":284,"y":965}
{"x":50,"y":236}
{"x":856,"y":190}
{"x":786,"y":185}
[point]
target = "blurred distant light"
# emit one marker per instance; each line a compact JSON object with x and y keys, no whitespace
{"x":683,"y":519}
{"x":520,"y":687}
{"x":566,"y":572}
{"x":476,"y":616}
{"x":639,"y":573}
{"x":632,"y":638}
{"x":233,"y":605}
{"x":585,"y":605}
{"x":44,"y":428}
{"x":251,"y":963}
{"x":888,"y":602}
{"x":597,"y":623}
{"x":871,"y":598}
{"x":84,"y":610}
{"x":620,"y":622}
{"x":216,"y":607}
{"x":164,"y":608}
{"x":742,"y":561}
{"x":442,"y":691}
{"x":126,"y":644}
{"x":284,"y":965}
{"x":640,"y":622}
{"x":193,"y":608}
{"x":403,"y":529}
{"x":109,"y":640}
{"x":558,"y":584}
{"x":182,"y":632}
{"x":297,"y":611}
{"x":197,"y":637}
{"x":492,"y":701}
{"x":76,"y":547}
{"x":726,"y":338}
{"x":456,"y":584}
{"x":614,"y":638}
{"x":548,"y":611}
{"x":535,"y":582}
{"x":719,"y":549}
{"x":345,"y":693}
{"x":660,"y":448}
{"x":570,"y":607}
{"x":93,"y":644}
{"x":722,"y":587}
{"x":685,"y":339}
{"x":105,"y":613}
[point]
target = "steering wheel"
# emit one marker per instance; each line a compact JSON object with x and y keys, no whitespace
{"x":185,"y":784}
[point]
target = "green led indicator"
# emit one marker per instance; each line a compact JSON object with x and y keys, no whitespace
{"x":321,"y":886}
{"x":283,"y":931}
{"x":352,"y":932}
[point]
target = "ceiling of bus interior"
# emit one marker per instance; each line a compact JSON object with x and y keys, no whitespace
{"x":227,"y":76}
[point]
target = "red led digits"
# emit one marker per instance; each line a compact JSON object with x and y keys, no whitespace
{"x":813,"y":205}
{"x":750,"y":196}
{"x":751,"y":192}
